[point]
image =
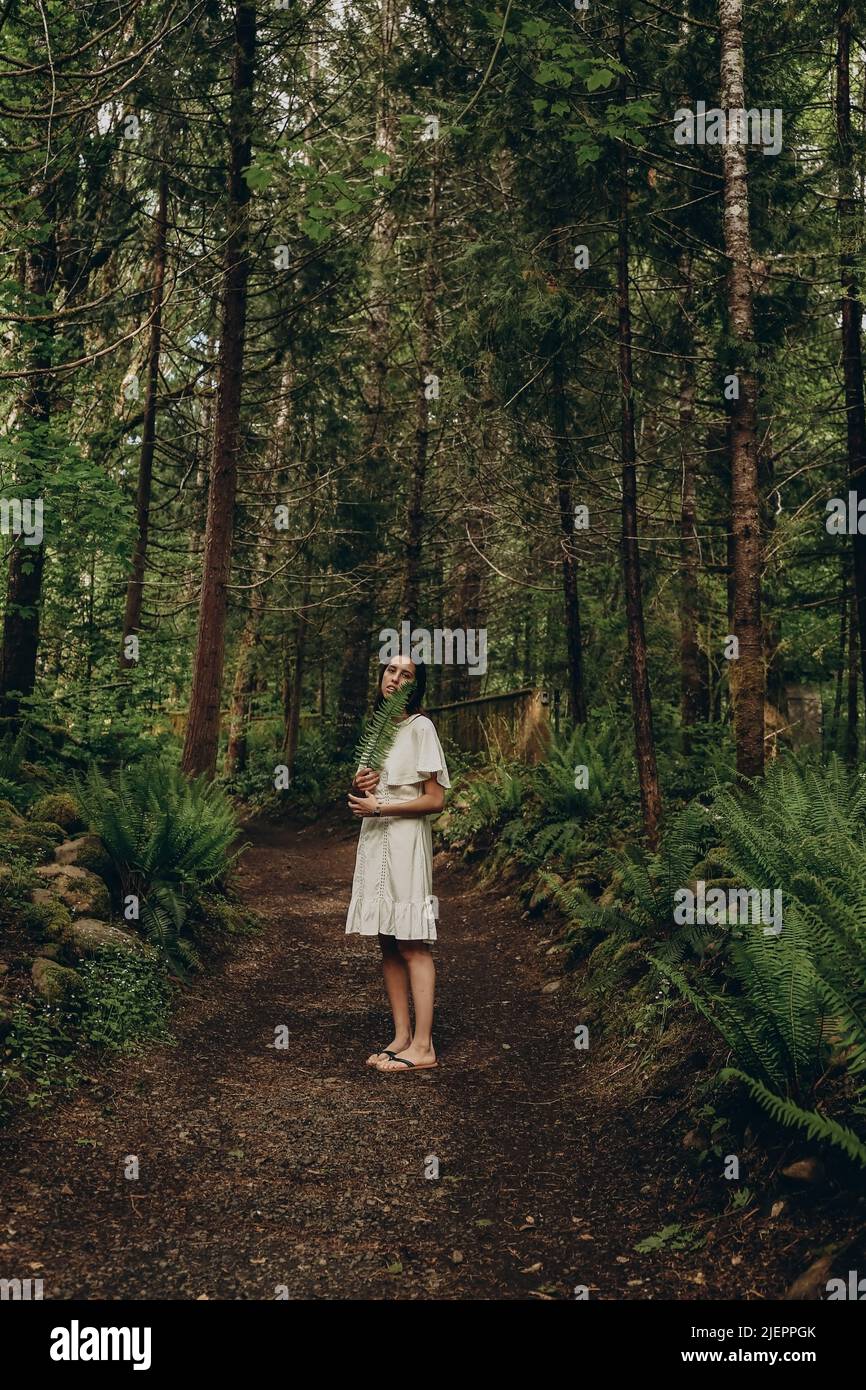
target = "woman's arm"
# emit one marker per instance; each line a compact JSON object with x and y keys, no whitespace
{"x":430,"y":803}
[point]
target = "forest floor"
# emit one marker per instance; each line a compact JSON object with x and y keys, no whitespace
{"x":264,"y":1170}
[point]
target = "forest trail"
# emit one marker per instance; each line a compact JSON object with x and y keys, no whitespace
{"x":302,"y":1168}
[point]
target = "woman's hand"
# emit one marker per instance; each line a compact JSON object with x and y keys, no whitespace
{"x":367,"y":780}
{"x":363,"y":805}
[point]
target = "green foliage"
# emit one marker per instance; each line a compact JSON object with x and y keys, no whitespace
{"x":29,"y":844}
{"x":318,"y":778}
{"x":17,"y":879}
{"x":13,"y":751}
{"x":318,"y":774}
{"x":481,"y":804}
{"x":124,"y":999}
{"x":643,"y":898}
{"x":378,"y":736}
{"x":167,"y":837}
{"x":795,"y":1002}
{"x":564,"y":810}
{"x":36,"y":1062}
{"x":215,"y":922}
{"x":48,"y":920}
{"x":673,"y":1237}
{"x":814,"y":1125}
{"x":709,"y":763}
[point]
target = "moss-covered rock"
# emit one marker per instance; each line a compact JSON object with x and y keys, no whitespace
{"x":87,"y":937}
{"x":9,"y":817}
{"x":49,"y":829}
{"x":29,"y":844}
{"x":82,"y":891}
{"x":59,"y":807}
{"x":35,"y":774}
{"x":54,"y":982}
{"x":87,"y":852}
{"x":51,"y":950}
{"x":47,"y":918}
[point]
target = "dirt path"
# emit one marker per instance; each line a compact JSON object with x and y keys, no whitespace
{"x":262,"y":1168}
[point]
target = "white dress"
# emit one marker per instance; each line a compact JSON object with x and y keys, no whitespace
{"x":392,"y":891}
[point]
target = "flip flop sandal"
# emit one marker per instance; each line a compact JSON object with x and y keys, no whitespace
{"x":383,"y":1052}
{"x":416,"y":1066}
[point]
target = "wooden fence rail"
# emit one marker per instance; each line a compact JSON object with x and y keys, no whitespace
{"x":515,"y":724}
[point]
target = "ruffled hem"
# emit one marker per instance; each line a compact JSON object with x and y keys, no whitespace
{"x":407,"y":921}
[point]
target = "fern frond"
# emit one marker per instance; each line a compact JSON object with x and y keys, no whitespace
{"x":786,"y":1112}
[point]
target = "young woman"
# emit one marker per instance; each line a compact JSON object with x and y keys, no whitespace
{"x":393,"y":884}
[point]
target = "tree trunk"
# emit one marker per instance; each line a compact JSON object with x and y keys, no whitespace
{"x":840,"y":663}
{"x":747,"y":670}
{"x":203,"y":726}
{"x":243,"y":687}
{"x":694,"y":672}
{"x":135,"y":586}
{"x":295,"y":680}
{"x":650,"y":795}
{"x":468,"y":578}
{"x":469,"y":574}
{"x":22,"y":611}
{"x":565,"y":499}
{"x":853,"y":651}
{"x":852,"y":308}
{"x":364,"y":513}
{"x":415,"y":511}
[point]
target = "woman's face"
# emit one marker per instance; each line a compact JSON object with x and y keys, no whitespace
{"x":398,"y":671}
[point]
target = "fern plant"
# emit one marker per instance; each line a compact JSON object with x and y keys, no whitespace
{"x":483,"y":805}
{"x":167,"y":837}
{"x":643,"y":908}
{"x":378,"y":736}
{"x":559,"y":818}
{"x":796,"y":1002}
{"x":776,"y":1029}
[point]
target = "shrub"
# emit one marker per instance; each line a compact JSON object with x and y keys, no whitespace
{"x":35,"y":1056}
{"x":641,"y":902}
{"x":213,"y":921}
{"x":17,"y":879}
{"x":796,"y":1002}
{"x":479,"y":805}
{"x":48,"y":830}
{"x":123,"y":999}
{"x":319,"y":777}
{"x":9,"y":811}
{"x":167,"y":837}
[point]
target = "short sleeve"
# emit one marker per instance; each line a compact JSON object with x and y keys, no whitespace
{"x":429,"y":757}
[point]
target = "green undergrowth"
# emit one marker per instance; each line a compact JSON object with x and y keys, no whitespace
{"x":786,"y":1007}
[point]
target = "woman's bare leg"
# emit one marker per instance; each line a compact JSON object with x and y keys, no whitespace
{"x":418,"y":963}
{"x":396,"y":978}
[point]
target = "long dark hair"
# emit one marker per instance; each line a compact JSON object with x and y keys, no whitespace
{"x":413,"y":704}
